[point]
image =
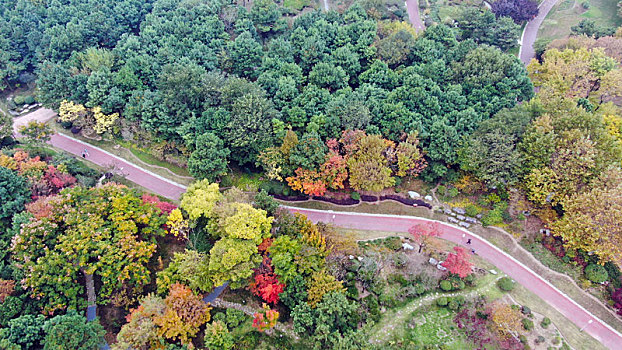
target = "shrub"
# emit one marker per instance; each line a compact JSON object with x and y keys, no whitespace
{"x":492,"y":217}
{"x":523,"y":339}
{"x":400,"y":260}
{"x":442,"y":301}
{"x":545,"y":322}
{"x":356,"y":196}
{"x":453,"y":305}
{"x":29,"y":100}
{"x":525,"y":310}
{"x":596,"y":273}
{"x":66,"y":125}
{"x":446,"y":285}
{"x":614,"y":274}
{"x":540,"y":339}
{"x":527,"y":324}
{"x":471,"y":210}
{"x":393,"y":243}
{"x":452,"y":192}
{"x":585,"y":5}
{"x":441,"y":190}
{"x":505,"y":284}
{"x":75,"y":129}
{"x":398,"y":278}
{"x":19,"y":100}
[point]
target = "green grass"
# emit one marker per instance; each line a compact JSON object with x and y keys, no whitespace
{"x":296,"y":4}
{"x":567,"y":13}
{"x":435,"y":326}
{"x":243,"y":180}
{"x":150,"y":159}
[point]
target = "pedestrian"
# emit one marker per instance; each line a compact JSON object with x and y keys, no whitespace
{"x":86,"y":152}
{"x":469,"y":241}
{"x":472,"y":251}
{"x":83,"y":154}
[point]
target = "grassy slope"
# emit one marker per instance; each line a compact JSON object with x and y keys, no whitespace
{"x":567,"y":13}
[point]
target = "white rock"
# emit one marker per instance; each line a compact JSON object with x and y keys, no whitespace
{"x":407,"y":246}
{"x":360,"y":258}
{"x":433,"y":261}
{"x":428,"y":198}
{"x":350,"y":257}
{"x":413,"y":194}
{"x":494,"y":272}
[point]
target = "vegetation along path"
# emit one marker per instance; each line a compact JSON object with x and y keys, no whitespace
{"x":522,"y":274}
{"x":530,"y":32}
{"x":512,"y":267}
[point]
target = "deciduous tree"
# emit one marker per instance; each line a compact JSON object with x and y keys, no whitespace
{"x":458,"y":262}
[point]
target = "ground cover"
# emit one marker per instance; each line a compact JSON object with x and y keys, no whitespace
{"x":567,"y":13}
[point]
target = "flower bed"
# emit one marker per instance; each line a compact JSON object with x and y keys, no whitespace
{"x":290,"y":198}
{"x":343,"y":201}
{"x":406,"y":201}
{"x":365,"y":198}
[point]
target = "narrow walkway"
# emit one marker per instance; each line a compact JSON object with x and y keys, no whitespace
{"x":412,"y":7}
{"x":598,"y":329}
{"x":530,"y":33}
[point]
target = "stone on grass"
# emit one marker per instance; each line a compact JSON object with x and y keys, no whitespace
{"x":433,"y":261}
{"x":464,"y":224}
{"x":471,"y":220}
{"x":452,"y":219}
{"x":428,"y":198}
{"x":447,"y":211}
{"x":413,"y":194}
{"x":407,"y":246}
{"x":461,"y":217}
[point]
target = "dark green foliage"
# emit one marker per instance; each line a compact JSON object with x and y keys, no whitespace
{"x":446,"y":285}
{"x":505,"y":284}
{"x":545,"y":322}
{"x":484,"y":28}
{"x":14,"y":193}
{"x":263,"y":201}
{"x":393,"y":243}
{"x":209,"y":157}
{"x":9,"y":309}
{"x":525,"y":310}
{"x":589,"y":27}
{"x":596,"y":273}
{"x":72,"y":332}
{"x":442,"y":301}
{"x":356,"y":196}
{"x":527,"y":324}
{"x":25,"y":331}
{"x":295,"y":292}
{"x":614,"y":274}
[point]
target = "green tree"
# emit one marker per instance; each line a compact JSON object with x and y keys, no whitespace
{"x":368,"y":167}
{"x":309,"y":153}
{"x":72,"y":332}
{"x":244,"y":55}
{"x":200,"y":199}
{"x":106,"y":231}
{"x":25,"y":332}
{"x":14,"y":193}
{"x":209,"y":157}
{"x":217,"y":336}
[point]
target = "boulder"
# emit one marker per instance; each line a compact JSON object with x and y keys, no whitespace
{"x":460,"y":217}
{"x":441,"y":267}
{"x":433,"y":261}
{"x":413,"y":194}
{"x":471,"y":220}
{"x":447,"y":211}
{"x":452,"y":219}
{"x":479,"y":216}
{"x":464,"y":224}
{"x":460,"y":211}
{"x":407,"y":246}
{"x":428,"y":198}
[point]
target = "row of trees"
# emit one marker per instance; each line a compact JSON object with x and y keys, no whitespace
{"x":366,"y":162}
{"x":216,"y":82}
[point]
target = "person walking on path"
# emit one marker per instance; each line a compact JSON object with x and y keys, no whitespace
{"x":469,"y":241}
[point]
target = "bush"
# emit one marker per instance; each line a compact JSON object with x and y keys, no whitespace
{"x":400,"y":260}
{"x":441,"y":190}
{"x":446,"y":285}
{"x":442,"y":301}
{"x":356,"y":196}
{"x":585,"y":5}
{"x":614,"y":274}
{"x":393,"y":243}
{"x":492,"y":217}
{"x":596,"y":273}
{"x":471,"y":210}
{"x":453,"y":305}
{"x":29,"y":100}
{"x":75,"y":129}
{"x":545,"y":322}
{"x":66,"y":125}
{"x":523,"y":339}
{"x":527,"y":324}
{"x":525,"y":310}
{"x":540,"y":339}
{"x":452,"y":192}
{"x":19,"y":100}
{"x":505,"y":284}
{"x":397,"y":278}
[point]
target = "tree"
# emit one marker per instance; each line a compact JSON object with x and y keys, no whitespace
{"x":233,"y":260}
{"x":410,"y":159}
{"x":244,"y":54}
{"x":25,"y":332}
{"x":368,"y":168}
{"x":458,"y":262}
{"x":591,"y":219}
{"x":36,"y":131}
{"x":106,"y":231}
{"x":518,"y":10}
{"x":72,"y":332}
{"x":266,"y":319}
{"x":590,"y":28}
{"x":14,"y":193}
{"x":507,"y":321}
{"x":267,"y":287}
{"x":484,"y":28}
{"x":200,"y":199}
{"x":320,"y":284}
{"x":422,"y":233}
{"x":309,"y":153}
{"x":217,"y":336}
{"x":209,"y":157}
{"x":6,"y":126}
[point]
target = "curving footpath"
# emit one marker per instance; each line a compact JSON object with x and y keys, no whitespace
{"x":412,"y":7}
{"x":393,"y":223}
{"x":530,"y":33}
{"x":512,"y":267}
{"x":142,"y":177}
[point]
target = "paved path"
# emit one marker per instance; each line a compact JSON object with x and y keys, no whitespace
{"x":530,"y":32}
{"x":512,"y":267}
{"x":412,"y":7}
{"x":142,"y":177}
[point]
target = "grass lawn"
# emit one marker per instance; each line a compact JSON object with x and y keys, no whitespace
{"x":436,"y":326}
{"x":296,"y":4}
{"x":384,"y":207}
{"x":567,"y":13}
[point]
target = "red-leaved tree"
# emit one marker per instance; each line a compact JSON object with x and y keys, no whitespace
{"x":422,"y":233}
{"x":458,"y":262}
{"x":265,"y":283}
{"x":266,"y":319}
{"x":165,"y":207}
